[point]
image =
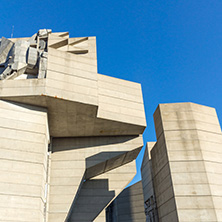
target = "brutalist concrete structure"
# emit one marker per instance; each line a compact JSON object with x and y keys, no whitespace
{"x":128,"y":206}
{"x":69,"y":136}
{"x":182,"y":178}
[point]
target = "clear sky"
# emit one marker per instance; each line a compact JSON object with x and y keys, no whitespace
{"x":173,"y":48}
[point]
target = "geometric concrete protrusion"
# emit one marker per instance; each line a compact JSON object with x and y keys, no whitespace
{"x":100,"y":105}
{"x":69,"y":138}
{"x":5,"y":48}
{"x":26,"y":58}
{"x":115,"y":160}
{"x":96,"y":194}
{"x":186,"y":163}
{"x":72,"y":157}
{"x":66,"y":130}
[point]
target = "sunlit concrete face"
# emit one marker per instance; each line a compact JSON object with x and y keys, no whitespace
{"x":185,"y":166}
{"x":69,"y":136}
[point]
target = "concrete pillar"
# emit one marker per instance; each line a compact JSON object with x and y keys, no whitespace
{"x":23,"y":160}
{"x":187,"y":163}
{"x":148,"y":188}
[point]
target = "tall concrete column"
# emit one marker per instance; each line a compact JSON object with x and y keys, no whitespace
{"x":187,"y":163}
{"x":147,"y":183}
{"x":23,"y":160}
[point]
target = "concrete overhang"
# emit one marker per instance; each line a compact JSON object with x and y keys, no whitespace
{"x":80,"y":101}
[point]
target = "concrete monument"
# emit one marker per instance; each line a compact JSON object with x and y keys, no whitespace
{"x":69,"y":136}
{"x":182,"y":178}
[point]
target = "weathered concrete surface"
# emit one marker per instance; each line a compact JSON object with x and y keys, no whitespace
{"x":148,"y":187}
{"x":128,"y":206}
{"x":25,"y":58}
{"x":71,"y":158}
{"x":23,"y":150}
{"x":99,"y":192}
{"x":186,"y":162}
{"x":98,"y":104}
{"x":95,"y":124}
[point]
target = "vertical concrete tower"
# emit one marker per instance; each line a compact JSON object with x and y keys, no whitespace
{"x":69,"y":136}
{"x":186,"y":169}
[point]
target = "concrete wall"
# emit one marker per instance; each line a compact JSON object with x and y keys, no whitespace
{"x":120,"y":100}
{"x":96,"y":193}
{"x":148,"y":188}
{"x":128,"y":206}
{"x":72,"y":159}
{"x":72,"y":77}
{"x":23,"y":153}
{"x":75,"y":94}
{"x":187,"y":161}
{"x":95,"y":122}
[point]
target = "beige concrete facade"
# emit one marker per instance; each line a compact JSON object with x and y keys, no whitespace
{"x":105,"y":162}
{"x":148,"y":187}
{"x":23,"y":146}
{"x":128,"y":206}
{"x":186,"y":163}
{"x":69,"y":136}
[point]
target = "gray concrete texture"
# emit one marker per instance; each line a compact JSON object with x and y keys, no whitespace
{"x":148,"y":187}
{"x":69,"y":136}
{"x":72,"y":158}
{"x":128,"y":206}
{"x":186,"y":163}
{"x":23,"y":150}
{"x":98,"y":104}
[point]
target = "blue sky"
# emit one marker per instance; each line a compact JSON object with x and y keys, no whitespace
{"x":173,"y":48}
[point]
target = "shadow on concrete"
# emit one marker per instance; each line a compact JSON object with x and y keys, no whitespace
{"x":101,"y":157}
{"x":92,"y":198}
{"x":26,"y":106}
{"x":71,"y":143}
{"x":106,"y":161}
{"x":128,"y":206}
